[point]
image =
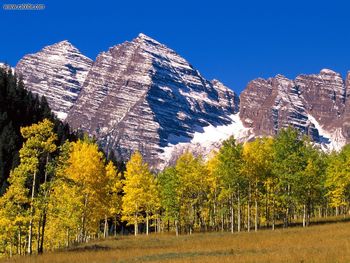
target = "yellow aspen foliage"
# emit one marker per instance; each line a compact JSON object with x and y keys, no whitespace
{"x":86,"y":169}
{"x":140,"y":192}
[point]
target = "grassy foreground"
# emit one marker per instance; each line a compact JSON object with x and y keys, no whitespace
{"x":325,"y":243}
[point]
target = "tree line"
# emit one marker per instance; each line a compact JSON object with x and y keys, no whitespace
{"x":63,"y":194}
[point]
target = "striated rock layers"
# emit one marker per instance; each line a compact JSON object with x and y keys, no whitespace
{"x":142,"y":95}
{"x":57,"y":72}
{"x":315,"y":104}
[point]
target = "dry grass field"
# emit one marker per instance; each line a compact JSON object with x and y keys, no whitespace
{"x":323,"y":243}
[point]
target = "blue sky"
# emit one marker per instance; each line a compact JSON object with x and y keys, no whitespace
{"x":233,"y":41}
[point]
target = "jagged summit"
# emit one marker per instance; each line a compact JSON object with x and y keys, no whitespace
{"x":315,"y":104}
{"x":56,"y":72}
{"x":63,"y":43}
{"x":62,"y":46}
{"x":280,"y":76}
{"x":147,"y":38}
{"x":143,"y":95}
{"x":326,"y":71}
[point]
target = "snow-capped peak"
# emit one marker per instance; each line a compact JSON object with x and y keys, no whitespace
{"x":326,"y":71}
{"x":62,"y":45}
{"x":148,"y":40}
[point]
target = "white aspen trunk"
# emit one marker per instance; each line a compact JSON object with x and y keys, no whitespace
{"x":231,"y":208}
{"x":67,"y":241}
{"x":135,"y":225}
{"x":31,"y":217}
{"x":273,"y":213}
{"x":105,"y":228}
{"x":256,"y":216}
{"x":256,"y":207}
{"x":304,"y":215}
{"x":83,"y":233}
{"x":19,"y":242}
{"x":222,"y":223}
{"x":288,"y":207}
{"x":38,"y":236}
{"x":160,"y":224}
{"x":238,"y":212}
{"x":214,"y":211}
{"x":267,"y":211}
{"x":11,"y":248}
{"x":176,"y":228}
{"x":248,"y":214}
{"x":147,"y":224}
{"x":156,"y":225}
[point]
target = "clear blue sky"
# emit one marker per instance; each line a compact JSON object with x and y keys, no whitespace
{"x":233,"y":41}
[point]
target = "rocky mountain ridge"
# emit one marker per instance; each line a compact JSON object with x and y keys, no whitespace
{"x":141,"y":95}
{"x":315,"y":104}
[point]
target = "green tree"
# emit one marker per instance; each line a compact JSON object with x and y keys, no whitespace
{"x":192,"y":190}
{"x":169,"y":184}
{"x":288,"y":161}
{"x":39,"y":144}
{"x":338,"y":179}
{"x":233,"y":183}
{"x":309,"y":186}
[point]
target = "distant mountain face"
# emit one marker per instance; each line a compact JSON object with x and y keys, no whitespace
{"x":141,"y":95}
{"x":314,"y":104}
{"x":57,"y":72}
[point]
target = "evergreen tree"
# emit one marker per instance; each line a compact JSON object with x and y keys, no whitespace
{"x":19,"y":108}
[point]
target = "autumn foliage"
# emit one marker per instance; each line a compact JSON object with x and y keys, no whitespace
{"x":61,"y":195}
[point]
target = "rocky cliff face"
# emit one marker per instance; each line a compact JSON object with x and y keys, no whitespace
{"x":314,"y":104}
{"x":57,"y":72}
{"x":142,"y":95}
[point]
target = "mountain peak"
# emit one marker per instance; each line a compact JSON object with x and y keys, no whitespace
{"x":144,"y":38}
{"x":326,"y":71}
{"x":63,"y":44}
{"x":56,"y":72}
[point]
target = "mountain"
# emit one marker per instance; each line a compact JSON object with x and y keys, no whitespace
{"x":141,"y":95}
{"x":315,"y":104}
{"x":57,"y":72}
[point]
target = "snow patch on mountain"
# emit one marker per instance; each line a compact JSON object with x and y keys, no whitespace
{"x":329,"y":141}
{"x":207,"y":139}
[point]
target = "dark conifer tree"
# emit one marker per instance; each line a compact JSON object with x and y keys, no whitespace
{"x":18,"y":108}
